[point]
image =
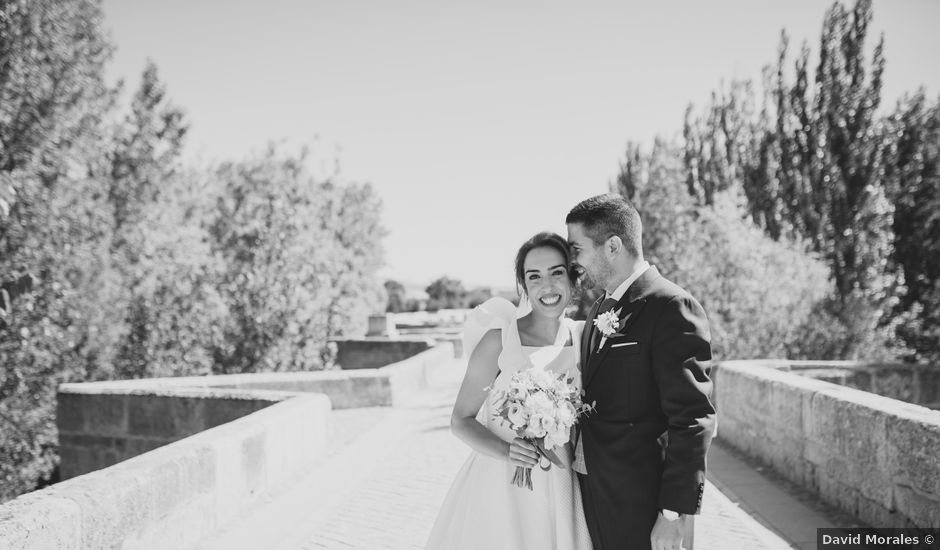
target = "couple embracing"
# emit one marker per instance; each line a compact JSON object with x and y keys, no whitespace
{"x":633,"y":473}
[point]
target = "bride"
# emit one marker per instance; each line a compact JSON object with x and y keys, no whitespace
{"x":483,"y":509}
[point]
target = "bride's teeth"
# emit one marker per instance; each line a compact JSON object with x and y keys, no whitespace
{"x":550,"y":301}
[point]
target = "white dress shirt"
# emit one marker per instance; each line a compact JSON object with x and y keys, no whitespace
{"x":638,"y":272}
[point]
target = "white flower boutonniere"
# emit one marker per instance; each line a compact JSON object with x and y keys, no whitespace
{"x":608,"y":323}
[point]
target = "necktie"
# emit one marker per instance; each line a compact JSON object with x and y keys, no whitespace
{"x":607,"y":305}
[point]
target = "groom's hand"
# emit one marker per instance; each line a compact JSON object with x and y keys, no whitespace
{"x":522,"y":453}
{"x":668,"y":534}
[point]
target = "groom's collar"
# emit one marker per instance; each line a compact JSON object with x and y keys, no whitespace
{"x":638,"y":271}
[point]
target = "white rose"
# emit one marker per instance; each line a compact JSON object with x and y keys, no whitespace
{"x":517,"y":416}
{"x":539,"y":402}
{"x":565,"y":416}
{"x":549,"y":424}
{"x":535,"y":428}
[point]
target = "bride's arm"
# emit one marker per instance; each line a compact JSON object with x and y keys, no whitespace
{"x":482,"y":370}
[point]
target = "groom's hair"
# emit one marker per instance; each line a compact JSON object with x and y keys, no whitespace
{"x":607,"y":215}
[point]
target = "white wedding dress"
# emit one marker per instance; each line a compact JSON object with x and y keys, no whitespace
{"x":483,"y":509}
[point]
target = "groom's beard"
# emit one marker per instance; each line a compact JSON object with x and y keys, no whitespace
{"x":595,"y":280}
{"x":590,"y":281}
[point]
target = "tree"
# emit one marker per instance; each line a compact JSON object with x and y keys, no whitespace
{"x":446,"y":293}
{"x":52,"y":224}
{"x":300,"y":258}
{"x":170,"y":307}
{"x":397,"y":296}
{"x":812,"y":165}
{"x":757,"y":292}
{"x":914,"y":179}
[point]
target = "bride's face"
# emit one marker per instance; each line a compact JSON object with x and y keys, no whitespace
{"x":546,"y":281}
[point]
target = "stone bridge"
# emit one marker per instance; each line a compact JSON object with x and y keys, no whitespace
{"x":362,"y":457}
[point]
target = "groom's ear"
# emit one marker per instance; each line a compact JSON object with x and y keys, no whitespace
{"x":614,"y":245}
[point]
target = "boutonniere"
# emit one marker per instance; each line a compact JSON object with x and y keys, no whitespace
{"x":610,"y":323}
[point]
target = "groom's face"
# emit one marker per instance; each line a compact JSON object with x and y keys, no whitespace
{"x":588,"y":259}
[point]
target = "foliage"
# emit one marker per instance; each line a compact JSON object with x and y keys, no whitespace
{"x":756,"y":291}
{"x":171,"y":309}
{"x":117,"y":260}
{"x":814,"y":165}
{"x":52,"y":104}
{"x":397,"y":296}
{"x":446,"y":293}
{"x":914,"y":180}
{"x":299,"y":262}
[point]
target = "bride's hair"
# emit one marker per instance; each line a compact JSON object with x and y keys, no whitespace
{"x":543,"y":239}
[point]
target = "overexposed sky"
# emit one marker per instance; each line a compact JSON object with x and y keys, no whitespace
{"x":479,"y":123}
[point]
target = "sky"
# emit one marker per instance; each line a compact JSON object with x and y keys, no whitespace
{"x":478,"y":123}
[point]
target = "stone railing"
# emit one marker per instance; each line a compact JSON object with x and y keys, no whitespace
{"x":868,"y":455}
{"x":217,"y":443}
{"x":372,"y":352}
{"x":914,"y":383}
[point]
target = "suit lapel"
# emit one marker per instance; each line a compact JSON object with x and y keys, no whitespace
{"x":597,"y":359}
{"x":631,"y":304}
{"x":586,"y":335}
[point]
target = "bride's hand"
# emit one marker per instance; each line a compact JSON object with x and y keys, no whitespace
{"x":522,"y":453}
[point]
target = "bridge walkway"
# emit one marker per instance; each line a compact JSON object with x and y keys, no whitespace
{"x":390,"y":468}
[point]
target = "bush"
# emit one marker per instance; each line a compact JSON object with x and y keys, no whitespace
{"x":757,"y":292}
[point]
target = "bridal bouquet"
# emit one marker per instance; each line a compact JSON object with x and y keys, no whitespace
{"x":541,"y":407}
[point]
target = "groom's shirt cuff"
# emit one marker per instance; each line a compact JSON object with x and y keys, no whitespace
{"x":671,"y":515}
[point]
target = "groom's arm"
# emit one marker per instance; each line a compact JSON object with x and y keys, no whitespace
{"x":680,"y":350}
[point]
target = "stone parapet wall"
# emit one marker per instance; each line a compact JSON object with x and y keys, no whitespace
{"x":220,"y":442}
{"x":370,"y":353}
{"x":100,"y":426}
{"x":868,"y":455}
{"x":173,"y":496}
{"x":103,"y":423}
{"x":913,"y":383}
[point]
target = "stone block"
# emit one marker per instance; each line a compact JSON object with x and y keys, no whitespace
{"x":188,"y":415}
{"x":40,"y":520}
{"x":378,"y":352}
{"x":151,"y":416}
{"x":917,"y":508}
{"x":70,"y":412}
{"x":254,"y":462}
{"x":221,"y":411}
{"x":873,"y":512}
{"x":381,"y":325}
{"x":106,"y":414}
{"x":75,"y":461}
{"x":915,"y":446}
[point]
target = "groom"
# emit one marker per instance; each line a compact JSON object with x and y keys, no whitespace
{"x":641,"y":453}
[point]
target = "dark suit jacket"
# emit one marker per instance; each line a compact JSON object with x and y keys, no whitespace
{"x":645,"y":444}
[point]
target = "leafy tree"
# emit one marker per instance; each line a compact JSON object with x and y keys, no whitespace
{"x":52,"y":224}
{"x":757,"y":292}
{"x":397,"y":296}
{"x":446,"y":293}
{"x":812,"y":166}
{"x":299,"y":261}
{"x":170,"y":306}
{"x":914,"y":178}
{"x":351,"y":217}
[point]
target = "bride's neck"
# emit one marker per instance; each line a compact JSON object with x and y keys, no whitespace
{"x":544,"y":325}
